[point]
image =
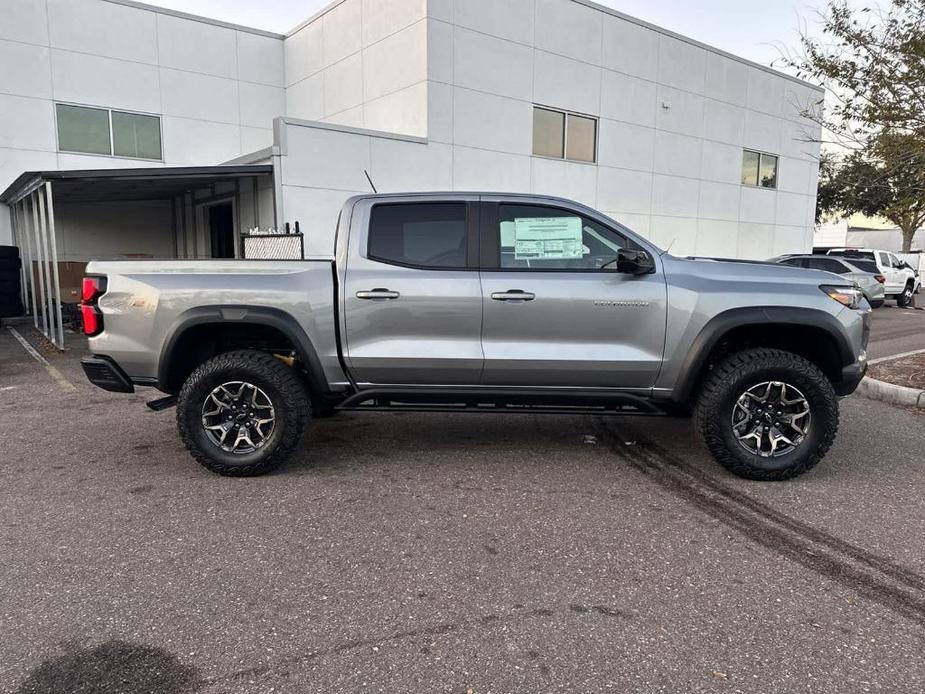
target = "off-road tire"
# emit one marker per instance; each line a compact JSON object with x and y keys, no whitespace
{"x":905,"y":298}
{"x":737,"y":373}
{"x":284,"y":388}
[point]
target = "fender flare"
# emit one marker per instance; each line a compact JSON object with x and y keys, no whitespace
{"x":720,"y":325}
{"x":244,"y":315}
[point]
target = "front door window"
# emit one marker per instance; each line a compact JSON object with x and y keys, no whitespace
{"x":547,"y":238}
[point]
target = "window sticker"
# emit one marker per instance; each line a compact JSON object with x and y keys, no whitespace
{"x":547,"y":238}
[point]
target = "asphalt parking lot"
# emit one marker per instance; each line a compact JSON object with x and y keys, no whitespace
{"x":452,"y":553}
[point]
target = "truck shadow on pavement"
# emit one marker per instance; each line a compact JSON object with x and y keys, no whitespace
{"x":113,"y":666}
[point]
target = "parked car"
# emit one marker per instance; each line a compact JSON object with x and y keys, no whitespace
{"x":491,"y":303}
{"x":863,"y":272}
{"x":901,"y":280}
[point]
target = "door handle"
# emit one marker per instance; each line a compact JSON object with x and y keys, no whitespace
{"x":513,"y":295}
{"x":379,"y":294}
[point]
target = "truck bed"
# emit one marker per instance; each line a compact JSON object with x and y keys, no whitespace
{"x":146,"y":300}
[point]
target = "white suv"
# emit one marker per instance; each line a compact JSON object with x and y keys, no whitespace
{"x":901,"y":280}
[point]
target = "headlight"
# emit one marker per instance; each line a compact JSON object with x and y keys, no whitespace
{"x":846,"y":296}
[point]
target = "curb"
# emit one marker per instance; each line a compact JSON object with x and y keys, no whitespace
{"x":873,"y":389}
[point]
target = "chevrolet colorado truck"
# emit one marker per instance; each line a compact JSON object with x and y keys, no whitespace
{"x":484,"y":303}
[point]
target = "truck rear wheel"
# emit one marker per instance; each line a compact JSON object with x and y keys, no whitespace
{"x":905,"y":299}
{"x":242,"y":413}
{"x":766,"y":414}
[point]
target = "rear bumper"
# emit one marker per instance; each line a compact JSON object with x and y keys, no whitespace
{"x":104,"y":373}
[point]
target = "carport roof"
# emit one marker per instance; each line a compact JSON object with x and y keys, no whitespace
{"x":94,"y":185}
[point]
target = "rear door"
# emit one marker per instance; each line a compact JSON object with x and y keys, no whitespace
{"x":553,"y":315}
{"x":411,"y":293}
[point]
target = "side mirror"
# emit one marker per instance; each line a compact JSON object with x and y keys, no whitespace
{"x":635,"y":262}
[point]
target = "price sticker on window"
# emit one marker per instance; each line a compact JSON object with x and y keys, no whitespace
{"x":547,"y":238}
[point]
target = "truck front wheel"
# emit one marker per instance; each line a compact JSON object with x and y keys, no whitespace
{"x":242,"y":413}
{"x":767,"y":414}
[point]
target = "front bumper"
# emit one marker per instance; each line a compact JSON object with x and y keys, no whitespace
{"x":851,"y":376}
{"x":104,"y":373}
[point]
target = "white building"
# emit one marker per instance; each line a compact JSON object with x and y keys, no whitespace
{"x":688,"y":145}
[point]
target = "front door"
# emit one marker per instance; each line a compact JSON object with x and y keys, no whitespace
{"x":221,"y":230}
{"x":556,"y":311}
{"x":412,"y":299}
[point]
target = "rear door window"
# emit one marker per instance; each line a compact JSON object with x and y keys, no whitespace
{"x":424,"y":235}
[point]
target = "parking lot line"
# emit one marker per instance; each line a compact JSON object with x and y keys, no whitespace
{"x":56,"y":375}
{"x":896,"y":356}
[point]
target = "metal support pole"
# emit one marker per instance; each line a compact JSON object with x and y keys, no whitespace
{"x":256,"y":193}
{"x":278,"y":212}
{"x":174,"y":230}
{"x":189,"y":225}
{"x":40,"y":258}
{"x":54,"y":262}
{"x":14,"y":225}
{"x":49,"y":293}
{"x":21,"y":212}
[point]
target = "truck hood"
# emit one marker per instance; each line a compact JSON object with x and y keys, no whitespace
{"x":734,"y":270}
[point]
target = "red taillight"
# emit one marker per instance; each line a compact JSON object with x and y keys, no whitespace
{"x":92,"y":319}
{"x":91,"y":290}
{"x":880,"y":278}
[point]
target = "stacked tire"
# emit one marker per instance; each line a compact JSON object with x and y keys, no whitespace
{"x":10,"y":295}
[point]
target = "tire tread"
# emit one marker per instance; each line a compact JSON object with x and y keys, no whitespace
{"x":281,"y":377}
{"x":707,"y":420}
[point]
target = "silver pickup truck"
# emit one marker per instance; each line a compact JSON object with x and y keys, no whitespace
{"x":486,"y":303}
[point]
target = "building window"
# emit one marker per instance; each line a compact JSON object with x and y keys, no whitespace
{"x":759,"y":169}
{"x":89,"y":130}
{"x":136,"y":135}
{"x":564,"y":135}
{"x":83,"y":129}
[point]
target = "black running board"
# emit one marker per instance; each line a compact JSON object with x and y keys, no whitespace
{"x":511,"y":401}
{"x":162,"y":403}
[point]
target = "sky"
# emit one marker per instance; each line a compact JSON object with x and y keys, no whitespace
{"x":753,"y":29}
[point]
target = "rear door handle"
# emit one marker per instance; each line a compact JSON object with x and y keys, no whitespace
{"x":379,"y":294}
{"x":513,"y":295}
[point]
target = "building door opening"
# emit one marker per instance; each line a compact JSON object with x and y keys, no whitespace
{"x":221,"y":230}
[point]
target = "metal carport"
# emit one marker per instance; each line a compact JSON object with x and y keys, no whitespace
{"x":38,"y":229}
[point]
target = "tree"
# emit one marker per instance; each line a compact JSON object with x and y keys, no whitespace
{"x":885,"y":179}
{"x":872,"y":63}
